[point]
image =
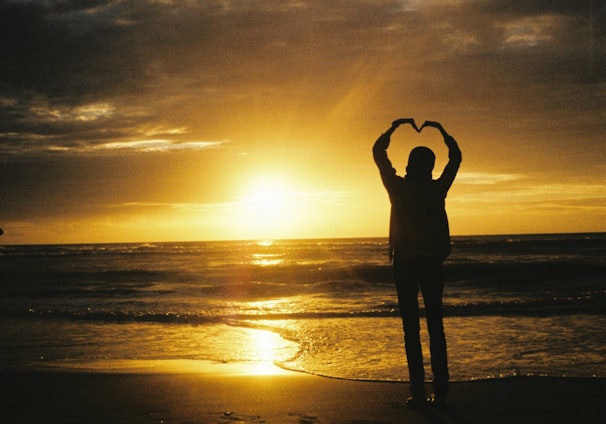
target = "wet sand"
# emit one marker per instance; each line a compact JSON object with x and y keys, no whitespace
{"x":142,"y":396}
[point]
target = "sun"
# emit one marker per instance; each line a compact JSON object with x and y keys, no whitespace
{"x":267,"y":195}
{"x":270,"y":206}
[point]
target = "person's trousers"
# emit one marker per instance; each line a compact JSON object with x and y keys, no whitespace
{"x":425,"y":273}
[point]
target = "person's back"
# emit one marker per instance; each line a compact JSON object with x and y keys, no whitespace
{"x":419,"y":226}
{"x":418,"y":221}
{"x":420,"y":241}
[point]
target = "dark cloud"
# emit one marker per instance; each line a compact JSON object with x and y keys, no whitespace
{"x":75,"y":51}
{"x":138,"y":65}
{"x":539,"y":7}
{"x":59,"y":52}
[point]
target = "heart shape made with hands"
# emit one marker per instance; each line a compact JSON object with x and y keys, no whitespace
{"x":412,"y":123}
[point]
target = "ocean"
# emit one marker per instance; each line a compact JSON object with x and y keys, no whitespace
{"x":515,"y":305}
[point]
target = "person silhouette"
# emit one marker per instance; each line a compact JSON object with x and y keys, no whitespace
{"x":419,"y":239}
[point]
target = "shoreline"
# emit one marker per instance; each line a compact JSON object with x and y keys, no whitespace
{"x":231,"y":395}
{"x":205,"y":367}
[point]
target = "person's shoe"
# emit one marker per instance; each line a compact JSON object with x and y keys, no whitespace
{"x":416,"y":401}
{"x":437,"y":400}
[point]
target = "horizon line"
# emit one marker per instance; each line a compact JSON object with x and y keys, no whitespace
{"x":299,"y":239}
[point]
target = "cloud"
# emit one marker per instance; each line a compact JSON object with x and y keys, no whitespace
{"x":531,"y":31}
{"x":157,"y":145}
{"x":243,"y":202}
{"x":85,"y":113}
{"x":561,"y":198}
{"x":42,"y":127}
{"x":120,"y":66}
{"x":479,"y":178}
{"x":159,"y":51}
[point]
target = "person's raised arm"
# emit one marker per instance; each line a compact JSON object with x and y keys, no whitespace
{"x":379,"y":148}
{"x":454,"y":155}
{"x":384,"y":139}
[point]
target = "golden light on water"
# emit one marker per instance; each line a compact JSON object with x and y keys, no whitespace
{"x":267,"y":259}
{"x":265,"y":243}
{"x":264,"y":347}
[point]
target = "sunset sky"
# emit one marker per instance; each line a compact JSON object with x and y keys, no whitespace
{"x":209,"y":120}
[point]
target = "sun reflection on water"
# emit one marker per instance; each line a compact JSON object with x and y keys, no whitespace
{"x":265,"y":243}
{"x":268,"y":307}
{"x":264,"y":347}
{"x":266,"y":259}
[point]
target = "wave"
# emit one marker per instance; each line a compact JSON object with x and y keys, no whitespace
{"x":532,"y":241}
{"x":592,"y":305}
{"x":458,"y":268}
{"x":469,"y":270}
{"x":524,"y":286}
{"x":512,"y":271}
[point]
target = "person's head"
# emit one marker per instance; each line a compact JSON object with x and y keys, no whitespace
{"x":420,"y":163}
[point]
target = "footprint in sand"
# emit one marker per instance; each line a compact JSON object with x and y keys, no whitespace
{"x":308,"y":419}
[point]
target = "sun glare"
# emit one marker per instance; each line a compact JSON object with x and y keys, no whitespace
{"x":264,"y":345}
{"x":267,"y":194}
{"x":269,"y":206}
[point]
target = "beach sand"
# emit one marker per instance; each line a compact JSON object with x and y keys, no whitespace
{"x":229,"y":395}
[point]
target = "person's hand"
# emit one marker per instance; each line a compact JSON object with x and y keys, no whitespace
{"x":403,"y":121}
{"x":447,"y":137}
{"x":432,"y":124}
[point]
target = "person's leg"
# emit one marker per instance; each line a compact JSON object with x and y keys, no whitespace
{"x":432,"y":287}
{"x":407,"y":285}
